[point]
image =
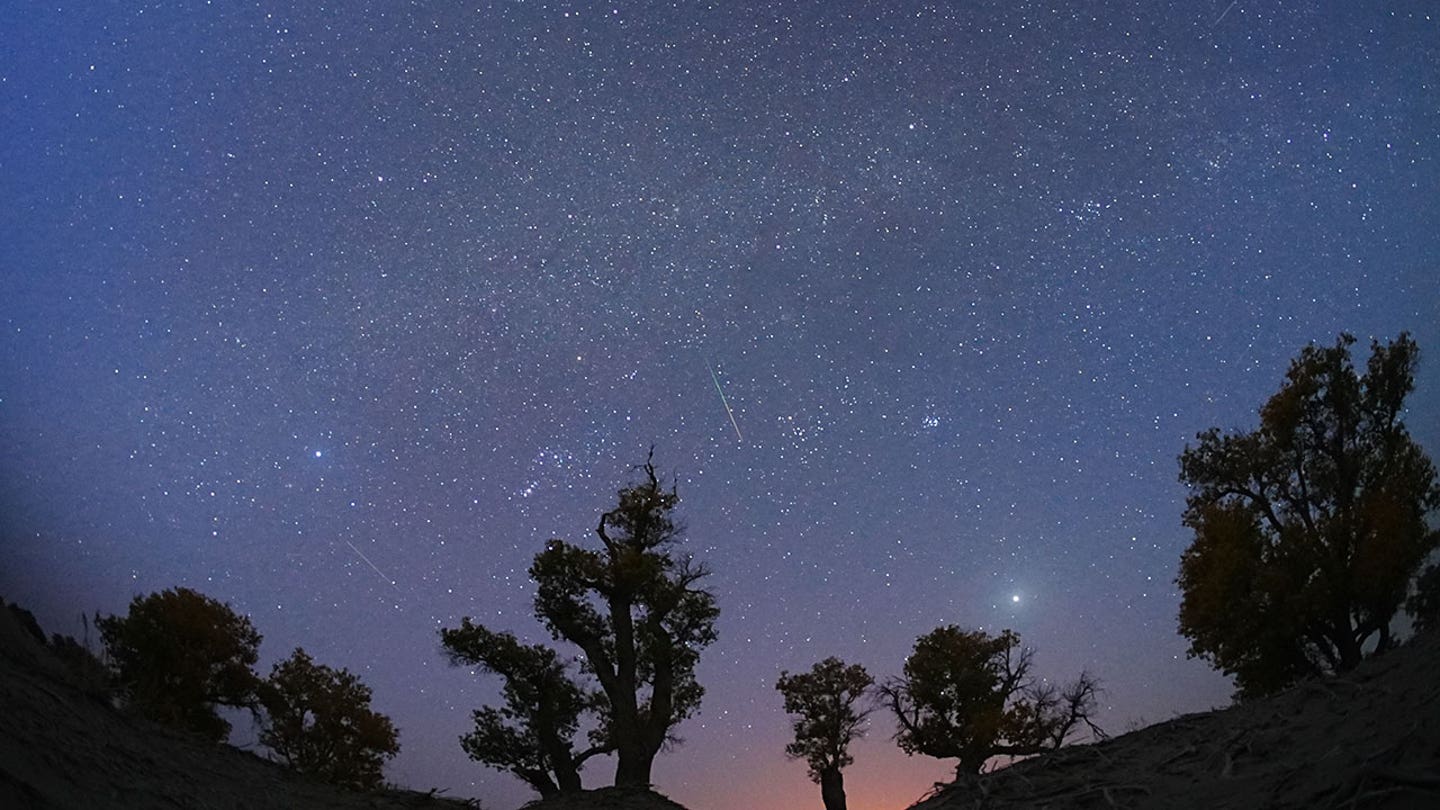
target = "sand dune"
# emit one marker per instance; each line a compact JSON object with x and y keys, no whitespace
{"x":62,"y":749}
{"x":1367,"y":740}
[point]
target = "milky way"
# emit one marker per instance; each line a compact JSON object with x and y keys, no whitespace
{"x":337,"y":314}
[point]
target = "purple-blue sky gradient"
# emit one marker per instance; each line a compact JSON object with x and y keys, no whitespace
{"x":338,"y":313}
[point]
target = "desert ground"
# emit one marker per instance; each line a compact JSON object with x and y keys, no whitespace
{"x":1370,"y":739}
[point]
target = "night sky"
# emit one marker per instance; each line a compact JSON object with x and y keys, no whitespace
{"x":338,"y":313}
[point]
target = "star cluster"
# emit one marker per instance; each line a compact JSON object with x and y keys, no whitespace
{"x":338,"y":313}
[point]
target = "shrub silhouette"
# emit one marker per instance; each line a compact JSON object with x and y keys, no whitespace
{"x":177,"y":655}
{"x":318,"y":720}
{"x":1424,"y":605}
{"x":970,"y":696}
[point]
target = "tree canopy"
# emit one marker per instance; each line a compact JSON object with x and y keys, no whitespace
{"x":532,"y":734}
{"x":1424,"y":604}
{"x":1310,"y":529}
{"x":318,"y":721}
{"x":970,"y":696}
{"x":178,"y":654}
{"x":635,"y":609}
{"x":828,"y":716}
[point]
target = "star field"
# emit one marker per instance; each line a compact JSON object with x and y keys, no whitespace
{"x":338,"y":313}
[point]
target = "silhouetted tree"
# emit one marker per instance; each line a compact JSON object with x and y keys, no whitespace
{"x":634,"y":609}
{"x":827,"y":719}
{"x":970,"y":696}
{"x":1308,"y":530}
{"x":178,"y":654}
{"x":1424,"y":604}
{"x":532,"y":735}
{"x":318,"y":721}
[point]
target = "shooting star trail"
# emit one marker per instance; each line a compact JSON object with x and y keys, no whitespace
{"x":372,"y":565}
{"x":724,"y":401}
{"x":1223,"y":13}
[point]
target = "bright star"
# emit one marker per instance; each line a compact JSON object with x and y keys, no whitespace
{"x":1015,"y":598}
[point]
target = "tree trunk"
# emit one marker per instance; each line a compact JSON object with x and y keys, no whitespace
{"x":539,"y":780}
{"x":967,"y":776}
{"x":1349,"y":652}
{"x":633,"y":766}
{"x":557,"y":753}
{"x":832,"y":789}
{"x":1385,"y":638}
{"x":568,"y":778}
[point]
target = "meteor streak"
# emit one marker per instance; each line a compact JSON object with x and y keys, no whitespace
{"x":724,"y":401}
{"x":1223,"y":13}
{"x":372,"y":565}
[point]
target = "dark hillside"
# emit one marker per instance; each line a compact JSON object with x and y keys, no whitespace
{"x":61,"y":749}
{"x":612,"y":798}
{"x":1368,"y":740}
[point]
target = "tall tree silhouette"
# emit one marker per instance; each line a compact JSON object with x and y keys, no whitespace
{"x":970,"y":696}
{"x":532,"y":734}
{"x":318,"y":720}
{"x":178,"y":654}
{"x":635,"y":610}
{"x":825,"y":702}
{"x":1310,"y":529}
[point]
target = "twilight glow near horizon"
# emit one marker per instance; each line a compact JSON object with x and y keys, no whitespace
{"x":338,"y":313}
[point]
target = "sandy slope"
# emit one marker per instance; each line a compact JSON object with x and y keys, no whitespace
{"x":612,"y":798}
{"x":61,"y":749}
{"x":1369,"y":740}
